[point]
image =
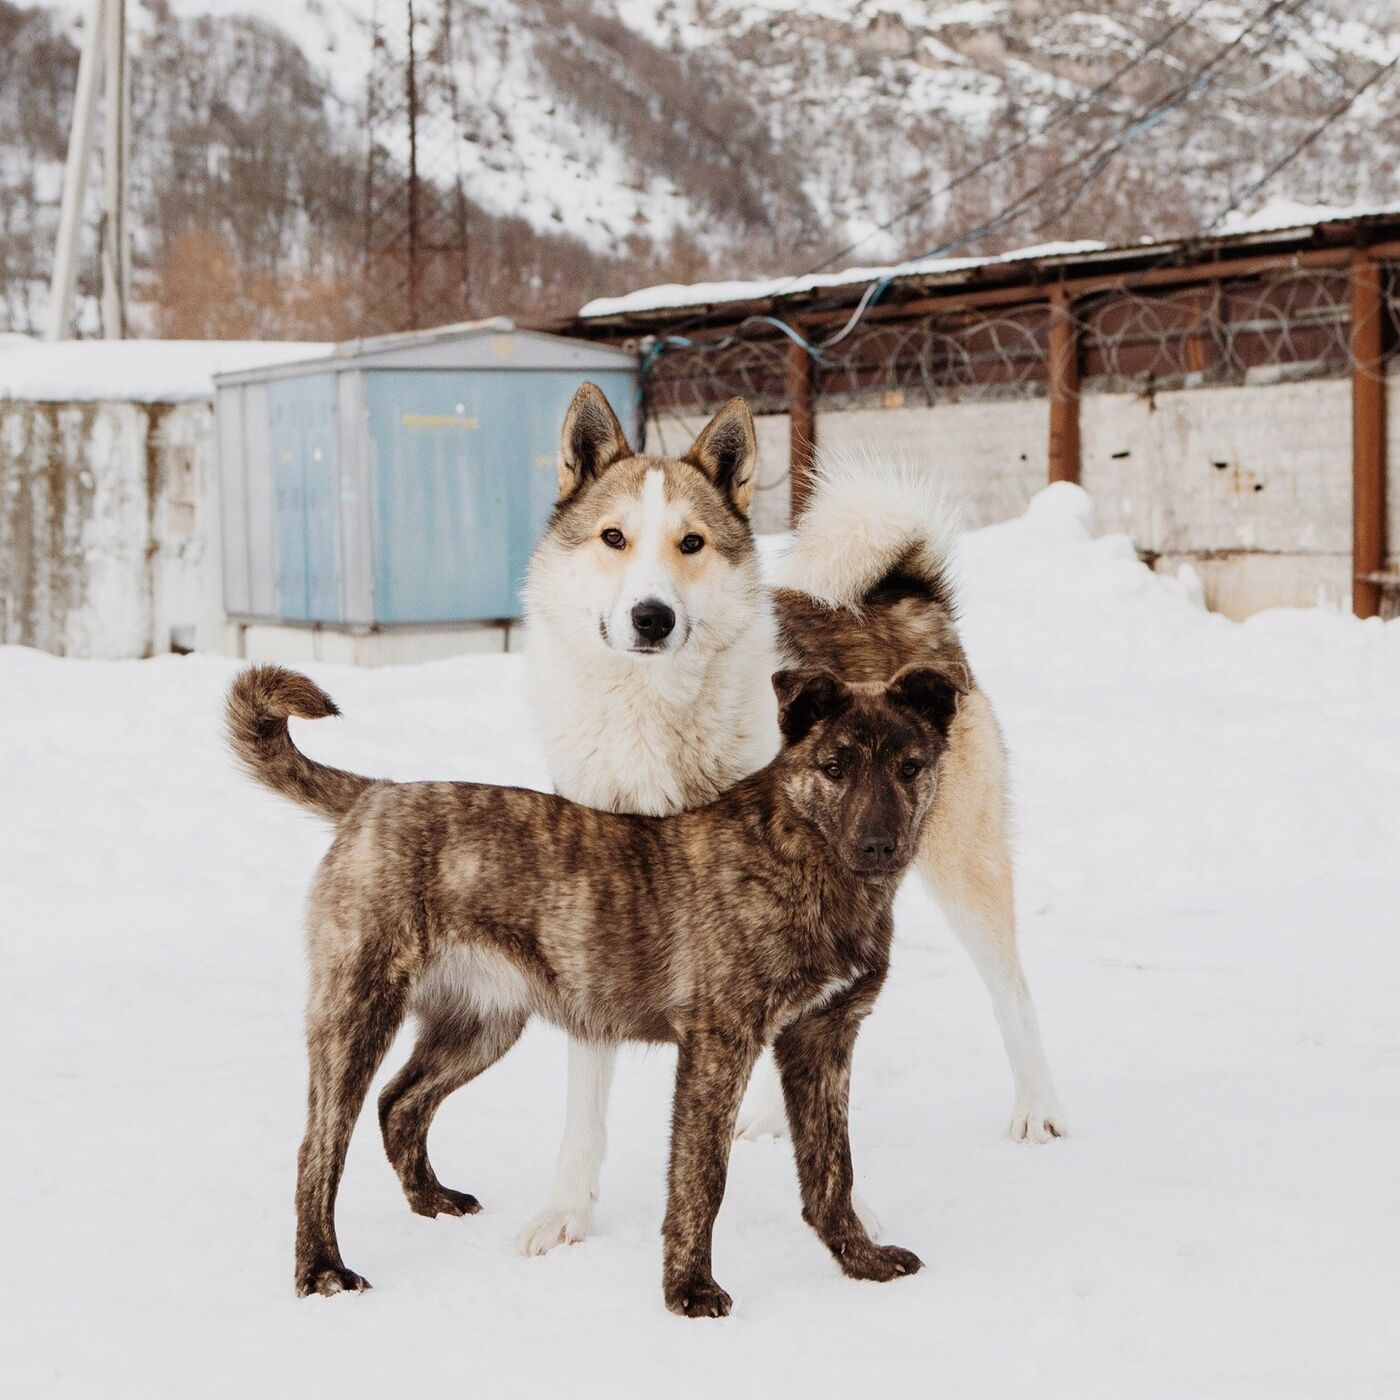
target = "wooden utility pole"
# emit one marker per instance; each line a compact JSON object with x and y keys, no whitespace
{"x":70,"y":218}
{"x":1064,"y":389}
{"x":103,"y":57}
{"x":1367,"y":436}
{"x":802,"y":425}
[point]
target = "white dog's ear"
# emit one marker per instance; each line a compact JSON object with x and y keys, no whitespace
{"x":591,"y":442}
{"x":727,"y":452}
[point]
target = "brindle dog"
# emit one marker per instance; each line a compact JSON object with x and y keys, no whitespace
{"x":763,"y":918}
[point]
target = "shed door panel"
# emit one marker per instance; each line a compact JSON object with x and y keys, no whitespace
{"x":540,"y":418}
{"x":464,"y":463}
{"x":302,"y":412}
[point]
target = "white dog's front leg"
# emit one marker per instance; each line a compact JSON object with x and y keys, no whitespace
{"x":763,"y":1113}
{"x":568,"y":1217}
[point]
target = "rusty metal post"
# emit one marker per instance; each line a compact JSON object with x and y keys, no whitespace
{"x":1367,"y":436}
{"x":802,"y":425}
{"x":1064,"y":389}
{"x":1206,"y":308}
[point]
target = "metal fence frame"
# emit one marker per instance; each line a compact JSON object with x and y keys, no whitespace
{"x":1227,"y":311}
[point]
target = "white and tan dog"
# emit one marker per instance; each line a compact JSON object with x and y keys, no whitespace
{"x":651,"y":640}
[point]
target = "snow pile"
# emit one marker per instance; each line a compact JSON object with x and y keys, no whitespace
{"x":1208,"y":819}
{"x":136,"y":371}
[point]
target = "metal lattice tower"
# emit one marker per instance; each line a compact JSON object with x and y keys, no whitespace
{"x":417,"y":246}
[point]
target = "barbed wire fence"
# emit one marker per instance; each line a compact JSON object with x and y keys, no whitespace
{"x":1282,"y":325}
{"x":1291,"y":321}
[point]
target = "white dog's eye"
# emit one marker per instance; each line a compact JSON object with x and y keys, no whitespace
{"x":614,"y":538}
{"x":692,"y":544}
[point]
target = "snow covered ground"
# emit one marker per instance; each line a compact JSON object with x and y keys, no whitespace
{"x":1209,"y":821}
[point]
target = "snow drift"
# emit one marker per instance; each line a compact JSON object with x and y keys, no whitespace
{"x":1208,"y":819}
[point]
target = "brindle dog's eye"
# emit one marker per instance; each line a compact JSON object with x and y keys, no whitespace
{"x":832,"y":771}
{"x":692,"y":544}
{"x":910,"y":767}
{"x":614,"y":539}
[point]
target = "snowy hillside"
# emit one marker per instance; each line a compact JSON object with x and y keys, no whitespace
{"x":1209,"y":814}
{"x":697,"y":137}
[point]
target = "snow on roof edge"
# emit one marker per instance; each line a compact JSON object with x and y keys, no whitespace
{"x":133,"y":371}
{"x":670,"y":295}
{"x":1278,"y":215}
{"x":1275,"y":216}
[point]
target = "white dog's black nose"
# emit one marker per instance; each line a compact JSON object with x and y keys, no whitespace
{"x":653,"y":620}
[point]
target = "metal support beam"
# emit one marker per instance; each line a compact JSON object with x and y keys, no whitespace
{"x":116,"y":244}
{"x":802,"y":425}
{"x":1064,"y":389}
{"x":1367,"y":435}
{"x":63,"y":282}
{"x":1207,"y":314}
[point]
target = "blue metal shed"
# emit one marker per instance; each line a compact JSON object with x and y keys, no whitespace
{"x":401,"y":480}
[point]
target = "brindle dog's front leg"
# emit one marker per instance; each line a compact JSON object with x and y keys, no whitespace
{"x":712,"y":1069}
{"x":814,"y":1059}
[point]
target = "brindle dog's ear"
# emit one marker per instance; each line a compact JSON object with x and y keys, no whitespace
{"x":804,"y":698}
{"x":932,"y":695}
{"x":591,"y":442}
{"x":727,"y":452}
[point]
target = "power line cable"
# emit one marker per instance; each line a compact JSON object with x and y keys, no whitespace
{"x":1332,"y":116}
{"x":1144,"y":120}
{"x":1098,"y":156}
{"x":1128,"y":281}
{"x":1061,"y":114}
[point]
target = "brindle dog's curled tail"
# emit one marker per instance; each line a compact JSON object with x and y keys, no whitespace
{"x":260,"y":702}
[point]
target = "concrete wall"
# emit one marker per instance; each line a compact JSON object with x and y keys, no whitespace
{"x":1249,"y":484}
{"x":102,"y":544}
{"x":673,"y":437}
{"x":110,"y":539}
{"x":993,"y":455}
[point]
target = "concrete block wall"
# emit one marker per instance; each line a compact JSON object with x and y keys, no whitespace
{"x":102,"y":547}
{"x":110,"y":540}
{"x":993,"y":455}
{"x":1250,"y":484}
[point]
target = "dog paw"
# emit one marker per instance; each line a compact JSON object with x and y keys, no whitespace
{"x":877,"y":1262}
{"x":328,"y":1280}
{"x":442,"y":1200}
{"x":1037,"y":1121}
{"x":555,"y":1227}
{"x":700,"y":1296}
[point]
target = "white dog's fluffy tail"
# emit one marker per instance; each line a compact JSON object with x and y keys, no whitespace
{"x":864,"y":520}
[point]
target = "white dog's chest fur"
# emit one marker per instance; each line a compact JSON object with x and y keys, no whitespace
{"x":654,"y":735}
